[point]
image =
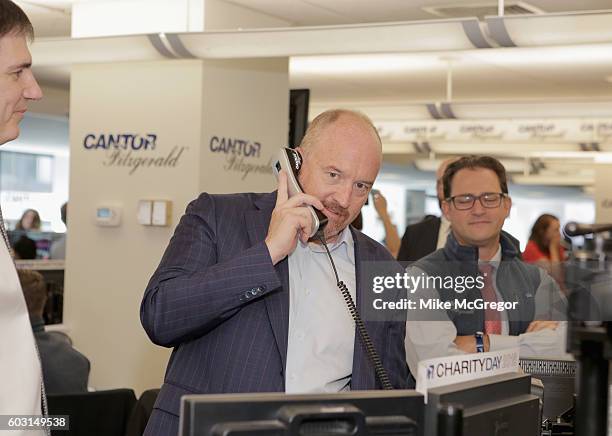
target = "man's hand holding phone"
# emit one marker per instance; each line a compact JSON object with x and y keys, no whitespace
{"x":290,"y":220}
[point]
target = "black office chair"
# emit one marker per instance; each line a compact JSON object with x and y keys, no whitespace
{"x":141,"y":413}
{"x":103,"y":413}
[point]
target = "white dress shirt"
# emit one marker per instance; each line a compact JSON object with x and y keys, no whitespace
{"x":443,"y":232}
{"x":20,"y":372}
{"x":430,"y":339}
{"x":321,"y":331}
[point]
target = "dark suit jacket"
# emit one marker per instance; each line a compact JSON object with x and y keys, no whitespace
{"x":419,"y":240}
{"x":218,"y":300}
{"x":65,"y":370}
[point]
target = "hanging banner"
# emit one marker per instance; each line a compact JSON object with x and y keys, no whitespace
{"x":502,"y":130}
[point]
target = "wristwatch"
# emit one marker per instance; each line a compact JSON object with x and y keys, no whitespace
{"x":479,"y":342}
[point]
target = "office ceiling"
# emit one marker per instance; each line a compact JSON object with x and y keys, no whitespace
{"x":558,"y":73}
{"x":327,"y":12}
{"x":385,"y":85}
{"x":52,"y":17}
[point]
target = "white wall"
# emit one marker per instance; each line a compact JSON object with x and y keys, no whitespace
{"x":55,"y":101}
{"x":107,"y":269}
{"x":240,"y":98}
{"x":183,"y":103}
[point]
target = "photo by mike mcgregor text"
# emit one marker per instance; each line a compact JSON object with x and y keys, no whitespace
{"x":437,"y":304}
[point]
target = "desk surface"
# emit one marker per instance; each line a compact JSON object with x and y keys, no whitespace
{"x":41,"y":264}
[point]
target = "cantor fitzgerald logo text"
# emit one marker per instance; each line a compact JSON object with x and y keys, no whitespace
{"x":120,"y":141}
{"x":464,"y":367}
{"x":119,"y":158}
{"x":132,"y":151}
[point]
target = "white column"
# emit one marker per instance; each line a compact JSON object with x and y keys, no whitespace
{"x":154,"y":130}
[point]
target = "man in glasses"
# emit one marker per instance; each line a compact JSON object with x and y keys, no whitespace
{"x":428,"y":235}
{"x":488,"y":298}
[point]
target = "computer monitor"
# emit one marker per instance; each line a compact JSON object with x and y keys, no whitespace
{"x":498,"y":405}
{"x":375,"y":413}
{"x":559,"y":380}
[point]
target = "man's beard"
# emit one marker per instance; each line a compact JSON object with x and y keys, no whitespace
{"x":338,"y":222}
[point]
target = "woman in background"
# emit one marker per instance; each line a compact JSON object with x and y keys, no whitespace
{"x":544,"y":247}
{"x":30,"y":220}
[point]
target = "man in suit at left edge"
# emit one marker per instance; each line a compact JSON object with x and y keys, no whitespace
{"x":249,"y":304}
{"x":21,"y":380}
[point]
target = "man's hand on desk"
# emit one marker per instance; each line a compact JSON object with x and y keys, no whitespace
{"x":536,"y":326}
{"x":468,"y":343}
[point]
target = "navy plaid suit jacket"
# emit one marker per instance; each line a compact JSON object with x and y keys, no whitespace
{"x":218,"y":300}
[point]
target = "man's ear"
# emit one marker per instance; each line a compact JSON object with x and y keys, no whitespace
{"x":508,"y":202}
{"x":445,"y":208}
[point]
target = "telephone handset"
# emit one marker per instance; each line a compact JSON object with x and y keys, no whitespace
{"x":290,"y":160}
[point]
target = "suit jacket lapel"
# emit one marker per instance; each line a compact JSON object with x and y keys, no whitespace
{"x":277,"y":301}
{"x":363,"y":372}
{"x":433,"y":238}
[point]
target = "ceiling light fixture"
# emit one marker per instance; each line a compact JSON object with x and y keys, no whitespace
{"x":581,"y":30}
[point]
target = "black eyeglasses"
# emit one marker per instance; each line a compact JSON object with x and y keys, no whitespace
{"x":489,"y":200}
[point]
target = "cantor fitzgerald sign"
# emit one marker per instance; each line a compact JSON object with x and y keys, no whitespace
{"x":242,"y":156}
{"x":133,"y":151}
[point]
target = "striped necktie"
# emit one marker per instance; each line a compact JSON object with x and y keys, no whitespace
{"x":492,"y":323}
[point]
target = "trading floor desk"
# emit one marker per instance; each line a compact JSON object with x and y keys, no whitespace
{"x":498,"y":405}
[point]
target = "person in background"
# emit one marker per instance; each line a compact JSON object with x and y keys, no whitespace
{"x":218,"y":281}
{"x":428,"y":235}
{"x":58,"y":248}
{"x":29,"y":221}
{"x":65,"y":370}
{"x":544,"y":246}
{"x":392,"y":239}
{"x":25,"y":248}
{"x":477,"y":204}
{"x":21,"y":388}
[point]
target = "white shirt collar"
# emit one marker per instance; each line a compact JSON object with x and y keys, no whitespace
{"x":345,"y":238}
{"x":496,"y":258}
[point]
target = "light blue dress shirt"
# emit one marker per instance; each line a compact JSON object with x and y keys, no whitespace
{"x":321,"y":331}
